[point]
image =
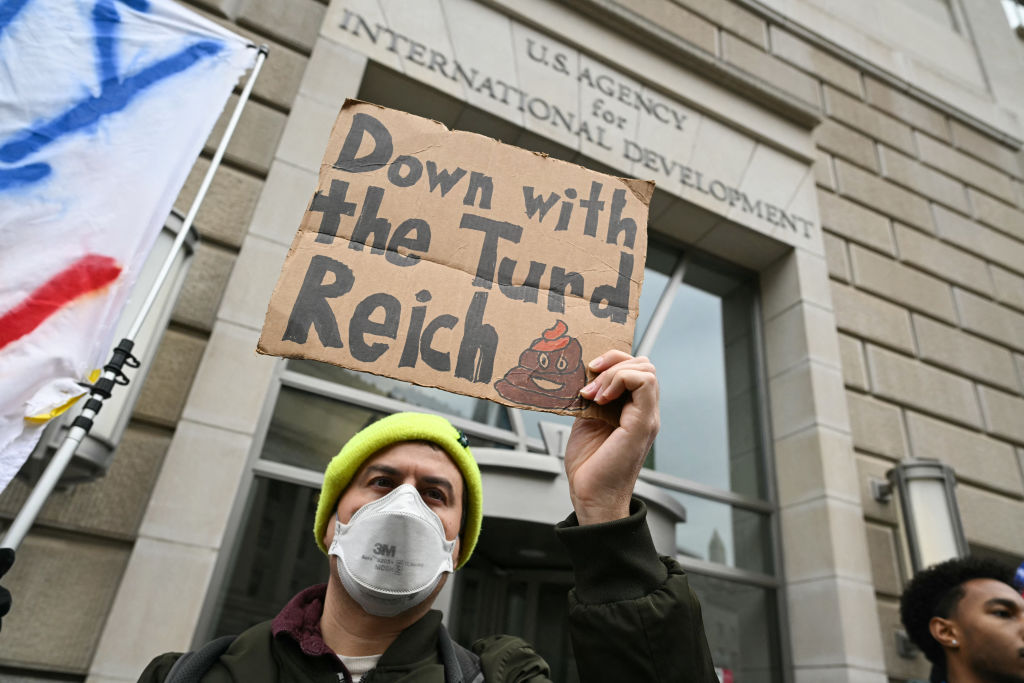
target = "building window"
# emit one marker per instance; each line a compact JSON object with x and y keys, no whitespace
{"x":698,"y":323}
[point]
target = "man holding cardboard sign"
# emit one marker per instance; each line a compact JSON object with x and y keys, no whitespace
{"x":451,"y":260}
{"x":401,"y":506}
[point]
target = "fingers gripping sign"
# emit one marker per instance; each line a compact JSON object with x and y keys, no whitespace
{"x":602,"y":461}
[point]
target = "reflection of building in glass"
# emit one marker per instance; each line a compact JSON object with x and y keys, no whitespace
{"x":833,"y":283}
{"x":729,"y":611}
{"x":716,"y":548}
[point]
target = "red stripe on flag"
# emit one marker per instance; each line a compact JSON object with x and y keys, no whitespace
{"x":88,"y":274}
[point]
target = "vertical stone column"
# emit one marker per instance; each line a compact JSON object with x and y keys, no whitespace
{"x":830,"y":595}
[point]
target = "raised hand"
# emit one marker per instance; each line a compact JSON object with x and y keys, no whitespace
{"x":602,"y":462}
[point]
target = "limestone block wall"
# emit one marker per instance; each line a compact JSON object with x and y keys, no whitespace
{"x":70,"y":566}
{"x":922,"y":209}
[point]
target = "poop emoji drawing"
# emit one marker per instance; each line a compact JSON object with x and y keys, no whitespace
{"x":550,"y":373}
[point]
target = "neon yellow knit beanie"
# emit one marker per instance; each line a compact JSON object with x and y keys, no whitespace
{"x":393,"y":429}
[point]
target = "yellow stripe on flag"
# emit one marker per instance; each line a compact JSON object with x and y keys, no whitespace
{"x":46,"y":417}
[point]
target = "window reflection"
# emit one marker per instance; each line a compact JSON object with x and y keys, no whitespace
{"x":740,"y":623}
{"x":705,"y":359}
{"x":434,"y":400}
{"x":660,"y":264}
{"x":275,"y":556}
{"x":307,"y":430}
{"x":693,"y":442}
{"x":531,"y":604}
{"x":533,"y":418}
{"x":723,"y":534}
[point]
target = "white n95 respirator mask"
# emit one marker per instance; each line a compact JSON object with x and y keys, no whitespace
{"x":392,"y":553}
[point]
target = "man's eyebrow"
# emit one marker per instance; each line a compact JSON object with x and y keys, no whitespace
{"x":442,"y":482}
{"x":1002,"y":602}
{"x":382,"y":469}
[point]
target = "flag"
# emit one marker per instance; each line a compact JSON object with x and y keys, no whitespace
{"x":104,"y":107}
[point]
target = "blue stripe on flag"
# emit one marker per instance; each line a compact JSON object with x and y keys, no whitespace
{"x":105,"y":22}
{"x":23,"y":175}
{"x":112,"y":99}
{"x":9,"y":10}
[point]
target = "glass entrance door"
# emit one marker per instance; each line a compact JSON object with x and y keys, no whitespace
{"x":530,"y":603}
{"x":517,"y":583}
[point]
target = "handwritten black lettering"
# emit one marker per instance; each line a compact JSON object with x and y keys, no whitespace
{"x":479,"y":344}
{"x":311,"y":307}
{"x":360,"y":325}
{"x":408,"y":177}
{"x":526,"y":292}
{"x":479,"y":184}
{"x":493,"y":231}
{"x":617,"y":224}
{"x":612,"y":301}
{"x":594,"y":206}
{"x":363,"y":124}
{"x":443,"y":178}
{"x":333,"y":206}
{"x":562,"y":281}
{"x":537,"y":203}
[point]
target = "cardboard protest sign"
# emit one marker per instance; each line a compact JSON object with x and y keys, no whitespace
{"x":451,"y":260}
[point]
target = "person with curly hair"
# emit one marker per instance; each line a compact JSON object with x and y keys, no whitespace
{"x":968,"y":620}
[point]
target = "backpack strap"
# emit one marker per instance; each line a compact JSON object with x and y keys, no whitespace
{"x":192,"y":666}
{"x":460,"y":665}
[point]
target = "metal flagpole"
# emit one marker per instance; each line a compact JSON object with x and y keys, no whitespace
{"x":122,"y":354}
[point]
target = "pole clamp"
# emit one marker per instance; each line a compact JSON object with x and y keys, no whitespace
{"x":83,"y":422}
{"x":121,"y":358}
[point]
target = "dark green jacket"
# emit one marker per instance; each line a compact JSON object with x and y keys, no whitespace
{"x":632,"y":617}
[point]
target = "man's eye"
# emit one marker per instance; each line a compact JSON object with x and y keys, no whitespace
{"x":435,"y":494}
{"x":381,"y":481}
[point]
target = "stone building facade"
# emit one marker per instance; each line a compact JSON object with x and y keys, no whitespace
{"x":837,"y":271}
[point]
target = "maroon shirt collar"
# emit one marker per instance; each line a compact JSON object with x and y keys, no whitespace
{"x":300,"y":621}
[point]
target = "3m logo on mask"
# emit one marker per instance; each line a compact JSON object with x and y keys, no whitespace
{"x":384,"y":550}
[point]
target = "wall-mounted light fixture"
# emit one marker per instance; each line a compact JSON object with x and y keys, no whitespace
{"x":928,"y":510}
